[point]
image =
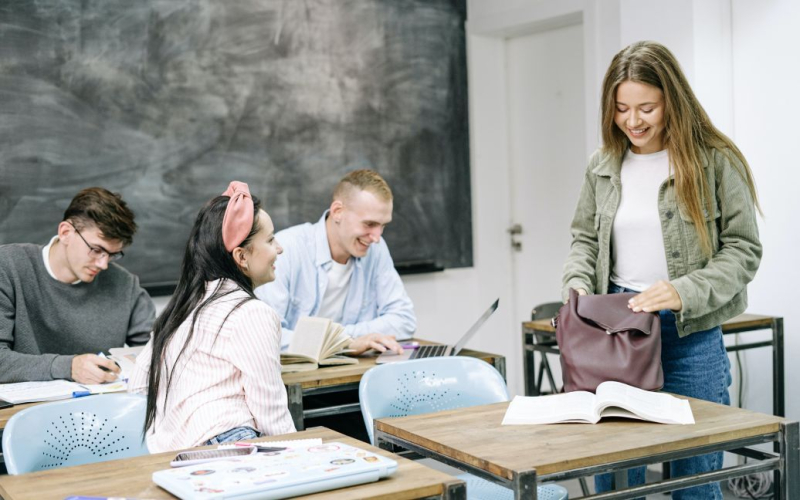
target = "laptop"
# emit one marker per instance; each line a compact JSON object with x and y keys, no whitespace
{"x":431,"y":351}
{"x":299,"y":470}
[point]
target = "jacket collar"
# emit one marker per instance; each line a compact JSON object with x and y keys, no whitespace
{"x":610,"y":165}
{"x":323,"y":252}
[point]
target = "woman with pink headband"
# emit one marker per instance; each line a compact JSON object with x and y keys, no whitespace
{"x":211,"y":370}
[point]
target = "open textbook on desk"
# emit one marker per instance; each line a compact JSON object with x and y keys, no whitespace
{"x":54,"y":390}
{"x":316,"y":342}
{"x":613,"y":399}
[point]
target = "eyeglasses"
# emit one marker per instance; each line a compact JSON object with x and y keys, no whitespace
{"x":97,"y":252}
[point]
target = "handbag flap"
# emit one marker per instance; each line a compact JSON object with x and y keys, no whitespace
{"x":611,"y":313}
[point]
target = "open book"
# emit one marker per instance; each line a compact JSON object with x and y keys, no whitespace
{"x":613,"y":399}
{"x":316,"y":342}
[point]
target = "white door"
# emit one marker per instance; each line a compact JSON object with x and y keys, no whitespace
{"x":547,"y":127}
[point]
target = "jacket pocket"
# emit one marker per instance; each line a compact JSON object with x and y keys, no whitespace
{"x":692,"y":246}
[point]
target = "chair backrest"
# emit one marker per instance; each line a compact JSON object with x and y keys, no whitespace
{"x":74,"y":432}
{"x":546,"y":310}
{"x":428,"y":385}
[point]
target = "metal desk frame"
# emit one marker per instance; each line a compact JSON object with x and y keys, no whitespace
{"x":786,"y":465}
{"x":543,"y":341}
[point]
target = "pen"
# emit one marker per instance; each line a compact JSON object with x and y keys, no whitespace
{"x":102,"y":355}
{"x":410,"y":346}
{"x":260,"y":447}
{"x":80,"y":394}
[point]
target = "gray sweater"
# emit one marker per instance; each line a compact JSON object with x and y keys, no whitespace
{"x":44,"y":323}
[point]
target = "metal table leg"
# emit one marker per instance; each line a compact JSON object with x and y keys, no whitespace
{"x":295,"y":395}
{"x":778,"y":392}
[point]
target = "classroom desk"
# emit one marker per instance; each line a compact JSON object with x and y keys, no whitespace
{"x":521,"y":456}
{"x":540,"y":336}
{"x":131,"y":478}
{"x":343,"y":379}
{"x":332,"y":379}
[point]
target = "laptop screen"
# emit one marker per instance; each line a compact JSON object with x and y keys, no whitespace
{"x":463,"y":341}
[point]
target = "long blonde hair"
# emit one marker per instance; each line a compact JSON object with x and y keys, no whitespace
{"x":688,"y":131}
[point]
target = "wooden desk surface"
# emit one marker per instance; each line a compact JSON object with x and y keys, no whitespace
{"x":322,"y":377}
{"x":132,"y":478}
{"x":752,"y":321}
{"x":351,"y":374}
{"x":474,"y":436}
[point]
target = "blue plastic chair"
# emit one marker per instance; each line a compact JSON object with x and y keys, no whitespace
{"x":436,"y":384}
{"x":75,"y":432}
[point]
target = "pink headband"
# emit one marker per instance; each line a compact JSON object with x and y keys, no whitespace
{"x":238,"y":220}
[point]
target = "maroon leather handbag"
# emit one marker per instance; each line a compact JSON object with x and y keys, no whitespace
{"x":601,"y":339}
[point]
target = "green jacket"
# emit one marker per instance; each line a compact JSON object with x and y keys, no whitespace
{"x":712,"y":290}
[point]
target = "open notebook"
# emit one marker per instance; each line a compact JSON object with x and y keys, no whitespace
{"x":301,"y":469}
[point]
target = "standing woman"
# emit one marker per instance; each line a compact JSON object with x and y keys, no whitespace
{"x":668,"y":209}
{"x":211,"y":370}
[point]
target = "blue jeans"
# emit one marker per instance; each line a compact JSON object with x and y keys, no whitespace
{"x":696,"y":366}
{"x":235,"y":434}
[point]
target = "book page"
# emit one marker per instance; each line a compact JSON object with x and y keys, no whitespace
{"x":570,"y":407}
{"x":336,"y":342}
{"x":309,"y":337}
{"x":653,"y":406}
{"x":28,"y":392}
{"x":125,"y":357}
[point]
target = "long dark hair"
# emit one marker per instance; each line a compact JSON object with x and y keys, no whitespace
{"x":204,"y":260}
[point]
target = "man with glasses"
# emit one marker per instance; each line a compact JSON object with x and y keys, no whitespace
{"x":63,"y":303}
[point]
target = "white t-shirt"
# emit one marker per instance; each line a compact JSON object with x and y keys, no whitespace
{"x":332,"y":305}
{"x":637,"y":243}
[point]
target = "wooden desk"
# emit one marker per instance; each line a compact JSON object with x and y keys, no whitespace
{"x":519,"y":457}
{"x":132,"y":478}
{"x":540,"y":336}
{"x":321,"y":381}
{"x":345,"y":378}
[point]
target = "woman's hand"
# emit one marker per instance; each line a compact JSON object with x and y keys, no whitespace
{"x":662,"y":295}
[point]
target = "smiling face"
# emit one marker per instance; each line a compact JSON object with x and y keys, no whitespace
{"x":261,"y":252}
{"x":356,"y":222}
{"x":640,"y":115}
{"x":74,"y":260}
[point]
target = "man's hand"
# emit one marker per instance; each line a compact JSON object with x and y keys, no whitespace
{"x":377,"y":341}
{"x":93,"y":369}
{"x":662,"y":295}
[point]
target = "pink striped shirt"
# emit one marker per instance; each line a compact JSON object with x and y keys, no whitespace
{"x":220,"y":382}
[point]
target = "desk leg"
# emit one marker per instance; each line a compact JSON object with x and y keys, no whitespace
{"x":500,"y":366}
{"x":787,"y":481}
{"x":524,"y":485}
{"x":455,"y":491}
{"x":778,"y":392}
{"x":528,"y":365}
{"x":621,"y":479}
{"x":295,"y":396}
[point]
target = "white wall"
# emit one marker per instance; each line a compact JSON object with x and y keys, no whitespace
{"x":765,"y":110}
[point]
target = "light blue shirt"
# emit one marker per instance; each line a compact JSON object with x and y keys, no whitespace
{"x":376,"y":298}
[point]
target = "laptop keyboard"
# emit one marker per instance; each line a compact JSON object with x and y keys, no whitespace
{"x":428,"y":351}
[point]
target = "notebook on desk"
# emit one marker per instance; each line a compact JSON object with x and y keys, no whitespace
{"x":430,"y":351}
{"x":299,"y":470}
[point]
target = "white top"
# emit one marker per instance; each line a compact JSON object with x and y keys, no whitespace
{"x":222,"y":381}
{"x":332,"y":305}
{"x":637,"y":243}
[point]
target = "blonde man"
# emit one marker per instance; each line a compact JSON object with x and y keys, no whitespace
{"x":340,"y":268}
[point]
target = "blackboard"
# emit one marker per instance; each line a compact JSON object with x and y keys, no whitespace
{"x":165,"y":102}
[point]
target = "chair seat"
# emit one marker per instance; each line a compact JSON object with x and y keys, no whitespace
{"x":481,"y":489}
